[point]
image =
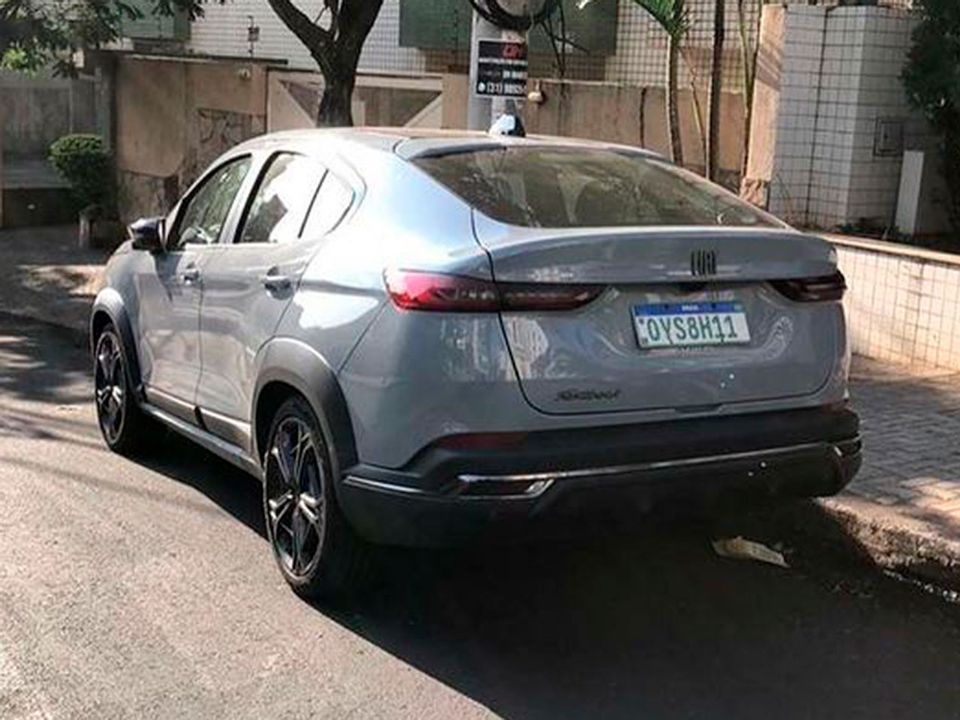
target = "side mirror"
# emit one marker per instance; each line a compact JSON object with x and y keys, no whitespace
{"x":147,"y":234}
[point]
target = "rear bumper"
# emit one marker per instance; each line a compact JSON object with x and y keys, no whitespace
{"x":449,"y":496}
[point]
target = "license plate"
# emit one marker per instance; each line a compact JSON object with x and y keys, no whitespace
{"x":699,"y":324}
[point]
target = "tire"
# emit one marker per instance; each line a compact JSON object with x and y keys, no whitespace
{"x":317,"y":551}
{"x":124,"y":427}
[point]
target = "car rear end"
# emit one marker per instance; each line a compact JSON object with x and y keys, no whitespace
{"x":640,"y":334}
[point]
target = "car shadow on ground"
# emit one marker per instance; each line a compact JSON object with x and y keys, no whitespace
{"x":651,"y":624}
{"x":646,"y":622}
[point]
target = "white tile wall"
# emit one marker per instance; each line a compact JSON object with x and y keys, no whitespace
{"x":842,"y":70}
{"x":903,"y":304}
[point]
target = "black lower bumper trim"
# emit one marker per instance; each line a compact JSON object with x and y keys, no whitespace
{"x":447,"y":496}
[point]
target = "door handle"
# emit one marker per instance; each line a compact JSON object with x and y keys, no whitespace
{"x":276,"y":283}
{"x":190,"y":275}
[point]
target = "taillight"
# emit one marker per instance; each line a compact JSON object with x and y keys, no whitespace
{"x":433,"y":291}
{"x":817,"y":289}
{"x":437,"y":292}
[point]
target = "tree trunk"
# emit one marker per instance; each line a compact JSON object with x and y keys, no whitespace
{"x":673,"y":108}
{"x":336,"y":103}
{"x":336,"y":49}
{"x":716,"y":90}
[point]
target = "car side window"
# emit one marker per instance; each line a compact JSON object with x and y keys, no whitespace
{"x":329,"y":206}
{"x":281,"y":200}
{"x":206,"y":211}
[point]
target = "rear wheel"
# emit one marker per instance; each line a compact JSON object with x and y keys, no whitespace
{"x":317,"y":551}
{"x":123,"y":425}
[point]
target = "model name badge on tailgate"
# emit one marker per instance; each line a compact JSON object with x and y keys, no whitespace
{"x":581,"y":395}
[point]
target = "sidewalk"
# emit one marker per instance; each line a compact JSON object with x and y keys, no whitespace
{"x":902,"y":512}
{"x":45,"y":276}
{"x":904,"y":506}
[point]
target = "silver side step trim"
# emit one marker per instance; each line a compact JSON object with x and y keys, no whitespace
{"x":221,"y":448}
{"x":536,"y":484}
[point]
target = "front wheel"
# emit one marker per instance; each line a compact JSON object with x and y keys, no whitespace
{"x":123,"y":425}
{"x":317,"y":551}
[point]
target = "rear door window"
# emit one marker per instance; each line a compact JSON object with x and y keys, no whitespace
{"x":280,"y":202}
{"x":566,"y":187}
{"x":329,"y":207}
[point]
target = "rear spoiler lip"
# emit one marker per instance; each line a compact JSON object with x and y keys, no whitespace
{"x":539,"y":255}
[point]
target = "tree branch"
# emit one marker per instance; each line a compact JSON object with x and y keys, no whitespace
{"x":316,"y":39}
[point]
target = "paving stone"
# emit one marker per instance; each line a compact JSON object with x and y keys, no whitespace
{"x":911,"y":435}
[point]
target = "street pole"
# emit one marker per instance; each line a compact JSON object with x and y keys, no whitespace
{"x":479,"y":109}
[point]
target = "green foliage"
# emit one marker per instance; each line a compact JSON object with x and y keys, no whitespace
{"x":37,"y":33}
{"x":22,"y":59}
{"x":671,"y":15}
{"x":84,"y":162}
{"x":932,"y":80}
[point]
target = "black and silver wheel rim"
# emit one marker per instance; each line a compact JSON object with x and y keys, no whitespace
{"x":110,"y":386}
{"x":293,"y":497}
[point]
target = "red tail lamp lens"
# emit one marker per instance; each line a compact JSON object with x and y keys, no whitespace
{"x":437,"y":292}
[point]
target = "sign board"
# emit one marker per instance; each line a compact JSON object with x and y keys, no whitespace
{"x":501,"y":68}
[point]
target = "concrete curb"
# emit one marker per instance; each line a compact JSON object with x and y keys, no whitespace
{"x":896,"y":542}
{"x":859,"y":532}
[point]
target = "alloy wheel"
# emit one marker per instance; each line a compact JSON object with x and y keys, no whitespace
{"x":110,"y":386}
{"x":294,"y":499}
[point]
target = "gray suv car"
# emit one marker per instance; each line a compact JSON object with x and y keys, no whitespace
{"x":421,"y":337}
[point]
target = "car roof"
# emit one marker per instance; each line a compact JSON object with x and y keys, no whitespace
{"x":411,"y":143}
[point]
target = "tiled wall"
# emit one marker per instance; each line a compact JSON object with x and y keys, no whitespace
{"x":641,"y":54}
{"x":903,"y":304}
{"x":841,"y":76}
{"x":223,"y":31}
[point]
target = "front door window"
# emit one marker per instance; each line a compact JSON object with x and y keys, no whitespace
{"x":207,"y":209}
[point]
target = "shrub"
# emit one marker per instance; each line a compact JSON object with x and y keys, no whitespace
{"x":932,"y":79}
{"x":84,"y":162}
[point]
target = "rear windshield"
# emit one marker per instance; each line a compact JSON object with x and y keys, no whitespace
{"x":585,"y":187}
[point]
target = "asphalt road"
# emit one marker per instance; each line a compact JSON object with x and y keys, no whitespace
{"x":147,"y":590}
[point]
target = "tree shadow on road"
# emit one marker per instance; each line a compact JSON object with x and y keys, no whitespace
{"x":42,"y":364}
{"x":43,"y":274}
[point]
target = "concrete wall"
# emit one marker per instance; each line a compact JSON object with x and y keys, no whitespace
{"x":173,"y":117}
{"x":634,"y":116}
{"x":34,"y":112}
{"x":38,"y":110}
